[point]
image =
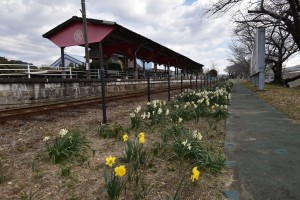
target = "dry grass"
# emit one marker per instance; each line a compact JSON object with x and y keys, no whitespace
{"x":284,"y":99}
{"x":30,"y":175}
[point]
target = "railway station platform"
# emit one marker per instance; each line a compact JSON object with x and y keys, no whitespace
{"x":262,"y":149}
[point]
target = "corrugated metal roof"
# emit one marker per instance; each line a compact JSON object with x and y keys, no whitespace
{"x":126,"y":42}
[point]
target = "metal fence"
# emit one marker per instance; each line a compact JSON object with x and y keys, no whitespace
{"x":31,"y":71}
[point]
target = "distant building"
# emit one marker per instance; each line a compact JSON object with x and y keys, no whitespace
{"x":73,"y":61}
{"x":288,"y":72}
{"x":269,"y":75}
{"x":294,"y":69}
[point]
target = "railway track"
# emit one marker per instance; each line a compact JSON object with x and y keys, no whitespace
{"x":10,"y":114}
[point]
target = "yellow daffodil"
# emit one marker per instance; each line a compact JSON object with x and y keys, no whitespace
{"x":142,"y":134}
{"x":195,"y":174}
{"x":110,"y":161}
{"x":141,"y":137}
{"x":120,"y":171}
{"x":141,"y":140}
{"x":125,"y":137}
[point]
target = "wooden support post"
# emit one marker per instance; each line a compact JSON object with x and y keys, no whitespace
{"x":104,"y":120}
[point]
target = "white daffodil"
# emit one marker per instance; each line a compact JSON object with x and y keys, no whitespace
{"x":167,"y":112}
{"x":47,"y":138}
{"x":179,"y":119}
{"x":207,"y":102}
{"x":189,"y":147}
{"x":143,"y":115}
{"x":184,"y":142}
{"x":197,"y":135}
{"x":137,"y":110}
{"x":159,"y":111}
{"x":63,"y":132}
{"x":148,"y":115}
{"x":132,"y":115}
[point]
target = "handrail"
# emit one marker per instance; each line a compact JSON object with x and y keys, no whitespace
{"x":29,"y":70}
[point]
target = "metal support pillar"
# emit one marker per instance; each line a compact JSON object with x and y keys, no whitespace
{"x":126,"y":67}
{"x":135,"y":73}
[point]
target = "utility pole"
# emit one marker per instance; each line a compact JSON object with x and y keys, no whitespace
{"x":86,"y":43}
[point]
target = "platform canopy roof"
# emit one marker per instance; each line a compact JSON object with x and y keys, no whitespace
{"x":116,"y":39}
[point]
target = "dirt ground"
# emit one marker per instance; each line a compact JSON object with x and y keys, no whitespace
{"x":27,"y":173}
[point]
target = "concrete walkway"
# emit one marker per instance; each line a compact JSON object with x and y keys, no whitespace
{"x":263,"y":149}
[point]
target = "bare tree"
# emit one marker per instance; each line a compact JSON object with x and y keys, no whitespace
{"x":280,"y":45}
{"x":239,"y":59}
{"x":284,"y":13}
{"x":280,"y":39}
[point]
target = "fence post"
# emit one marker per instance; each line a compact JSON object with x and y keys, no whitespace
{"x":169,"y":88}
{"x":70,"y":72}
{"x":181,"y":84}
{"x":196,"y":81}
{"x":201,"y":81}
{"x":28,"y":70}
{"x":191,"y":81}
{"x":148,"y":87}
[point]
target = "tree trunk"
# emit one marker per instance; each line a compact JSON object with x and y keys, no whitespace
{"x":277,"y":69}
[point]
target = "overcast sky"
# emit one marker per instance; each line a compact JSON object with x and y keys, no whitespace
{"x":177,"y":24}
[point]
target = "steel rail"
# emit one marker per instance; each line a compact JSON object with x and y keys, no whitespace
{"x":9,"y":114}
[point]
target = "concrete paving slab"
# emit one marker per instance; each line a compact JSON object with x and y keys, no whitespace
{"x":263,"y":149}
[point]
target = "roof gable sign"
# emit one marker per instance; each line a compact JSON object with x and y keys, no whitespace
{"x":72,"y":34}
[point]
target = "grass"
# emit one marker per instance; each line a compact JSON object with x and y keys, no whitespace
{"x":284,"y":99}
